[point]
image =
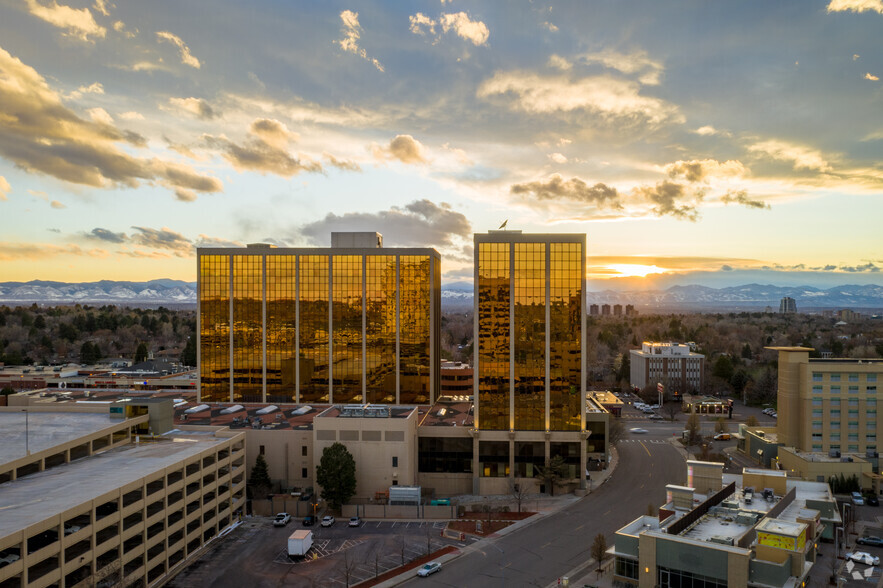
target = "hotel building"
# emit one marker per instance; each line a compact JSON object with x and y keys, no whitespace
{"x":529,"y":347}
{"x":353,"y":323}
{"x":673,"y":365}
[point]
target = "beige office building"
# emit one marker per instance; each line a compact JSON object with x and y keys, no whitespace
{"x":100,"y":497}
{"x":828,"y":406}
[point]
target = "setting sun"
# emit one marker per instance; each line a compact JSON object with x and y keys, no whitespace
{"x":628,"y":270}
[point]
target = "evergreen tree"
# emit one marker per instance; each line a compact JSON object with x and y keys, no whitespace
{"x":141,"y":352}
{"x":188,"y":356}
{"x":259,"y":480}
{"x":336,"y":475}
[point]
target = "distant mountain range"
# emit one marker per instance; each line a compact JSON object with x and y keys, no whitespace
{"x":459,"y":295}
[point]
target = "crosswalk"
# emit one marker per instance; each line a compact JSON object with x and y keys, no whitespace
{"x":643,"y":441}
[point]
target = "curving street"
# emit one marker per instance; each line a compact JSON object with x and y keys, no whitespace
{"x":538,"y":553}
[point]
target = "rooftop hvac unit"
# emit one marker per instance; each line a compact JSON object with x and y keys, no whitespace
{"x":267,"y":409}
{"x":232,"y":409}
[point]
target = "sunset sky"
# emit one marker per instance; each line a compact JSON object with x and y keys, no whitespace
{"x":695,"y":142}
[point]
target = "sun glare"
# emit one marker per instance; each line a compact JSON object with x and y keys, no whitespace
{"x":628,"y":270}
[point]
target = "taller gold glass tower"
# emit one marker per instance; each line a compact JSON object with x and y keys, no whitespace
{"x":529,"y":331}
{"x":353,"y":323}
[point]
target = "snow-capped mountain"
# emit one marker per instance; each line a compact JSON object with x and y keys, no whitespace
{"x":154,"y":292}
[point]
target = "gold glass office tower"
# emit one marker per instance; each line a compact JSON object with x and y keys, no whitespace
{"x":353,"y":323}
{"x":529,"y":331}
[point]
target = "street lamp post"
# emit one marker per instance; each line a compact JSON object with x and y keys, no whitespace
{"x":27,"y":434}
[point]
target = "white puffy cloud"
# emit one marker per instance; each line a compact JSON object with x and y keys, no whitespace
{"x":77,"y":23}
{"x":474,"y":31}
{"x":93,"y":88}
{"x":183,"y":50}
{"x":550,"y":26}
{"x":801,"y":157}
{"x":405,"y":148}
{"x":872,"y":77}
{"x":559,"y":62}
{"x":351,"y":30}
{"x":710,"y":131}
{"x":56,"y":204}
{"x":638,"y":62}
{"x":100,"y":115}
{"x":856,"y":6}
{"x":131,"y":115}
{"x":604,"y":96}
{"x":5,"y":189}
{"x":557,"y":157}
{"x":265,"y":150}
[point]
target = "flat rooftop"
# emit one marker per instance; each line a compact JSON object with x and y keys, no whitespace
{"x":36,"y":497}
{"x":448,"y":414}
{"x":32,"y":431}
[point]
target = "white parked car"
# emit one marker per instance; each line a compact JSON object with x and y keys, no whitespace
{"x":327,"y":521}
{"x":858,"y":499}
{"x":282,"y":519}
{"x":863,"y":557}
{"x":428,"y":569}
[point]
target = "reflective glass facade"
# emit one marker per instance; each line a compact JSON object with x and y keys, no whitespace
{"x":529,"y":331}
{"x":214,"y":332}
{"x":319,"y":325}
{"x":493,"y":312}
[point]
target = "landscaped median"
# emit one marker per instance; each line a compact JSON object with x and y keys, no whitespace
{"x":481,"y":525}
{"x":411,"y":565}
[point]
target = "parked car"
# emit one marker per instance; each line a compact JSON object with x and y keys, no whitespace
{"x":872,"y":500}
{"x":858,"y":499}
{"x":8,"y":559}
{"x":306,"y":495}
{"x":722,"y":437}
{"x":656,"y":417}
{"x":355,"y":522}
{"x":327,"y":521}
{"x":309,"y":521}
{"x":429,"y":569}
{"x":870,"y":540}
{"x":863,"y":557}
{"x":282,"y":519}
{"x":638,"y":431}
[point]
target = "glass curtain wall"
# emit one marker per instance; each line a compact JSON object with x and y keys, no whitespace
{"x":380,"y":329}
{"x":529,"y":334}
{"x":414,"y":329}
{"x":313,"y":335}
{"x":214,"y":321}
{"x":493,"y":336}
{"x":347,"y":328}
{"x":565,"y":334}
{"x":281,"y":328}
{"x":248,"y":347}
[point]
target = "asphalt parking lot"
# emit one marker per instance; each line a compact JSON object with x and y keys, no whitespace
{"x":255,"y":554}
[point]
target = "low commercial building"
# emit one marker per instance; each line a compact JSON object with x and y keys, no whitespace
{"x":106,"y":496}
{"x":705,"y":404}
{"x":759,"y":443}
{"x":674,"y":365}
{"x":821,"y":467}
{"x":757,"y":529}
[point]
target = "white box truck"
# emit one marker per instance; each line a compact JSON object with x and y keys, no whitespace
{"x":299,"y":543}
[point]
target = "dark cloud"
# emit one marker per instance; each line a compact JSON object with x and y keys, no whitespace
{"x":741,"y":197}
{"x":868,"y":267}
{"x":41,"y":135}
{"x":265,"y":150}
{"x":108,"y":236}
{"x":726,"y":268}
{"x":162,"y":239}
{"x":206,"y":241}
{"x":198,"y":107}
{"x":700,"y":170}
{"x":667,"y":199}
{"x":572,"y":190}
{"x":420,"y":223}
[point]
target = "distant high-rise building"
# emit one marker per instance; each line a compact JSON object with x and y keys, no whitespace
{"x":630,"y":310}
{"x":594,"y":309}
{"x":787,"y":305}
{"x":605,"y":310}
{"x":353,"y":323}
{"x":617,"y":310}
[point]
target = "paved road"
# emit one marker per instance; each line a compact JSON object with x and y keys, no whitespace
{"x":537,"y":554}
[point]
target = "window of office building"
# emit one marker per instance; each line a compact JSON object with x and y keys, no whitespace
{"x":835,"y":389}
{"x":214,"y":322}
{"x":570,"y":453}
{"x":835,"y":377}
{"x":853,"y":377}
{"x":853,"y":402}
{"x":817,"y":424}
{"x":281,"y":328}
{"x":816,"y":377}
{"x":248,"y":378}
{"x":816,"y":436}
{"x":816,"y":389}
{"x":493,"y":458}
{"x":346,"y":321}
{"x":444,"y":455}
{"x":834,"y":402}
{"x":529,"y":336}
{"x":529,"y":458}
{"x":871,"y":378}
{"x":414,"y":335}
{"x":627,"y":568}
{"x":871,"y":425}
{"x":835,"y":436}
{"x":493,"y":336}
{"x":817,"y":414}
{"x":565,"y":335}
{"x":853,"y":437}
{"x":853,"y":389}
{"x":817,"y":402}
{"x":852,"y":448}
{"x":380,"y":329}
{"x":835,"y":424}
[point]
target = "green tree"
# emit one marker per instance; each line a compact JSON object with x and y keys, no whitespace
{"x":746,"y":352}
{"x":40,"y":322}
{"x":188,"y":356}
{"x":7,"y":391}
{"x":599,"y":550}
{"x":763,"y":390}
{"x":739,"y":381}
{"x":723,"y":368}
{"x":141,"y":352}
{"x":259,"y":480}
{"x":337,"y":475}
{"x":553,"y":473}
